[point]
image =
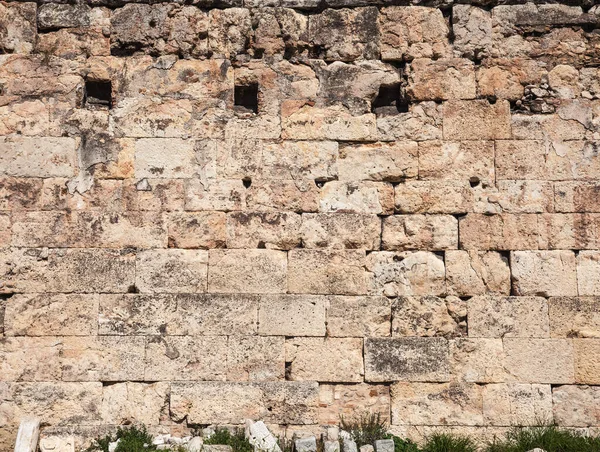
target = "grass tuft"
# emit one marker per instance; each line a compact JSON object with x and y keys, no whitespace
{"x":365,"y":429}
{"x":236,"y":440}
{"x":549,"y":438}
{"x":443,"y":442}
{"x":131,"y":439}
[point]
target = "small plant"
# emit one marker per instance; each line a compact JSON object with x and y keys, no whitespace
{"x":403,"y":445}
{"x":443,"y":442}
{"x":131,"y":439}
{"x":236,"y":440}
{"x":549,"y":438}
{"x":367,"y":429}
{"x":285,"y":444}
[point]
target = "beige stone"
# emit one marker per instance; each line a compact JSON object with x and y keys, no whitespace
{"x":271,"y":230}
{"x":221,"y":195}
{"x":499,"y":232}
{"x":247,"y":271}
{"x":502,"y":317}
{"x":574,"y":317}
{"x":255,"y":358}
{"x":382,"y":161}
{"x":544,"y":273}
{"x":472,"y":28}
{"x":588,"y":273}
{"x":171,"y":157}
{"x":405,"y":273}
{"x":327,"y":272}
{"x":18,"y":193}
{"x":358,"y":316}
{"x":419,"y":232}
{"x":428,"y":316}
{"x":341,"y":230}
{"x":283,"y":195}
{"x":476,"y":272}
{"x":569,"y":231}
{"x":132,"y":402}
{"x":197,"y":230}
{"x":231,"y":403}
{"x":336,"y":401}
{"x":441,"y":79}
{"x":37,"y":156}
{"x":437,"y":404}
{"x":516,"y":404}
{"x":30,"y":359}
{"x":406,"y":359}
{"x":564,"y":80}
{"x":576,"y":196}
{"x":576,"y":405}
{"x":171,"y":271}
{"x":477,"y":360}
{"x":228,"y":31}
{"x":476,"y":120}
{"x":291,"y":315}
{"x":516,"y":196}
{"x":358,"y":197}
{"x":325,"y":359}
{"x":453,"y":197}
{"x":19,"y":27}
{"x":51,"y":315}
{"x":539,"y":360}
{"x":587,"y":363}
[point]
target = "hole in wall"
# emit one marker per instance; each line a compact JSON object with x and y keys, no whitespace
{"x":320,"y":183}
{"x":245,"y":98}
{"x":474,"y":181}
{"x":133,"y":289}
{"x":389,"y":101}
{"x":288,"y":370}
{"x":98,"y":93}
{"x":247,"y":182}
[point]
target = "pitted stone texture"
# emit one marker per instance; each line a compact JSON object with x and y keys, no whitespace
{"x":382,"y":161}
{"x":345,"y":400}
{"x":271,"y":230}
{"x":574,"y":317}
{"x":134,"y":402}
{"x":476,"y":120}
{"x":442,"y":79}
{"x":341,"y":230}
{"x":499,"y":232}
{"x":38,"y":157}
{"x":171,"y":271}
{"x":291,"y":315}
{"x":419,"y":232}
{"x":406,"y":359}
{"x":453,"y":197}
{"x":325,"y":359}
{"x":428,"y":316}
{"x":358,"y":197}
{"x":472,"y":28}
{"x":30,"y":359}
{"x":576,"y":405}
{"x":18,"y":26}
{"x":477,"y":360}
{"x":476,"y":272}
{"x":245,"y":364}
{"x":588,"y":273}
{"x":544,"y":273}
{"x":539,"y":360}
{"x":516,"y":404}
{"x":587,"y":364}
{"x":358,"y":316}
{"x":231,"y":403}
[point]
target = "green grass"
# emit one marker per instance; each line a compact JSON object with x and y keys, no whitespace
{"x":131,"y":439}
{"x":549,"y":438}
{"x":403,"y":445}
{"x":236,"y":440}
{"x":443,"y":442}
{"x":365,"y":429}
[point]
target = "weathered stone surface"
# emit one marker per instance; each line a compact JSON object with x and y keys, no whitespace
{"x":587,"y":364}
{"x":406,"y":359}
{"x":325,"y":359}
{"x":539,"y":360}
{"x":476,"y":272}
{"x":382,"y":161}
{"x":327,"y":272}
{"x":476,"y":120}
{"x":225,"y":195}
{"x":283,"y":195}
{"x":38,"y":157}
{"x":358,"y":316}
{"x":472,"y":28}
{"x":502,"y":317}
{"x":405,"y":273}
{"x":477,"y":360}
{"x":516,"y":404}
{"x":574,"y":196}
{"x":442,"y":79}
{"x":134,"y":402}
{"x":588,"y":273}
{"x":247,"y":271}
{"x":52,"y":16}
{"x":30,"y":359}
{"x":51,"y":315}
{"x":419,"y":232}
{"x":357,"y":197}
{"x":499,"y":232}
{"x":229,"y":31}
{"x":256,"y":358}
{"x":271,"y":230}
{"x":433,"y":197}
{"x":197,"y":230}
{"x":18,"y":27}
{"x":171,"y":271}
{"x":516,"y":196}
{"x":409,"y":32}
{"x":291,"y":315}
{"x":575,"y":405}
{"x":574,"y":317}
{"x":544,"y":273}
{"x":345,"y":400}
{"x":231,"y":403}
{"x":437,"y":404}
{"x":178,"y":314}
{"x":340,"y":230}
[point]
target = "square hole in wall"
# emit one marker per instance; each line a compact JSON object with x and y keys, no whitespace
{"x":389,"y":101}
{"x":245,"y":98}
{"x":98,"y":93}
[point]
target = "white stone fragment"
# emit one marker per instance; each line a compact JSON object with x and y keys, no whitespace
{"x":57,"y":444}
{"x":260,"y":437}
{"x":28,"y":435}
{"x":306,"y":444}
{"x":384,"y":445}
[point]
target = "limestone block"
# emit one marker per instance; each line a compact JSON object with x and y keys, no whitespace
{"x":283,"y":195}
{"x":346,"y":400}
{"x":325,"y":359}
{"x":255,"y":358}
{"x":516,"y":404}
{"x":546,"y":126}
{"x":271,"y":230}
{"x":454,"y":197}
{"x":419,"y":232}
{"x":576,"y":196}
{"x":409,"y":32}
{"x":331,"y":446}
{"x":230,"y":403}
{"x":384,"y":445}
{"x":341,"y":230}
{"x":588,"y":273}
{"x":20,"y":193}
{"x":463,"y":160}
{"x":229,"y":31}
{"x":569,"y":231}
{"x":291,"y":315}
{"x":406,"y":359}
{"x":260,"y":437}
{"x":203,"y":230}
{"x":178,"y":314}
{"x":516,"y":196}
{"x":428,"y":316}
{"x":574,"y":317}
{"x":441,"y":79}
{"x":544,"y":273}
{"x":160,"y":195}
{"x":499,"y":232}
{"x":186,"y":358}
{"x":358,"y":316}
{"x":52,"y":16}
{"x":171,"y":271}
{"x":5,"y":229}
{"x":349,"y":445}
{"x":539,"y":360}
{"x":477,"y":360}
{"x":572,"y":160}
{"x":422,"y":122}
{"x":476,"y":120}
{"x":19,"y":29}
{"x":26,"y":117}
{"x":247,"y":271}
{"x":38,"y":157}
{"x":587,"y":364}
{"x":502,"y":317}
{"x":57,"y":444}
{"x":51,"y":315}
{"x":381,"y":161}
{"x":437,"y":404}
{"x":405,"y":273}
{"x":171,"y":157}
{"x":58,"y":403}
{"x":346,"y":34}
{"x":472,"y":28}
{"x":219,"y":195}
{"x":134,"y":402}
{"x":306,"y":444}
{"x":279,"y":30}
{"x":576,"y":405}
{"x":30,"y":359}
{"x":358,"y":197}
{"x":102,"y":358}
{"x":476,"y":272}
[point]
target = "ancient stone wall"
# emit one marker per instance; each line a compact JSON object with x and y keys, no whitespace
{"x":290,"y":210}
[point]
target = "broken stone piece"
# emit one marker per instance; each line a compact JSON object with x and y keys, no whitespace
{"x":306,"y":444}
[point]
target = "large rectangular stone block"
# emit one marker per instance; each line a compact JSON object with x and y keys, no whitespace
{"x":255,"y":358}
{"x":545,"y":273}
{"x":341,"y":230}
{"x":576,"y":405}
{"x":325,"y":359}
{"x":499,"y":232}
{"x":30,"y":359}
{"x":339,"y":272}
{"x":588,"y":273}
{"x":457,"y":160}
{"x":365,"y":197}
{"x":516,"y":404}
{"x":476,"y":120}
{"x":419,"y":232}
{"x":247,"y":271}
{"x":222,"y":194}
{"x":197,"y":230}
{"x":272,"y":230}
{"x":574,"y":317}
{"x":477,"y":360}
{"x":345,"y":400}
{"x":171,"y":271}
{"x":358,"y":316}
{"x":406,"y":359}
{"x":453,"y":197}
{"x":20,"y":192}
{"x":178,"y":314}
{"x":587,"y":364}
{"x":38,"y":157}
{"x":441,"y":79}
{"x":577,"y":196}
{"x":292,"y":315}
{"x":472,"y":272}
{"x":539,"y":360}
{"x":132,"y":402}
{"x":172,"y":157}
{"x":515,"y":196}
{"x":578,"y":231}
{"x":231,"y":403}
{"x":283,"y":196}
